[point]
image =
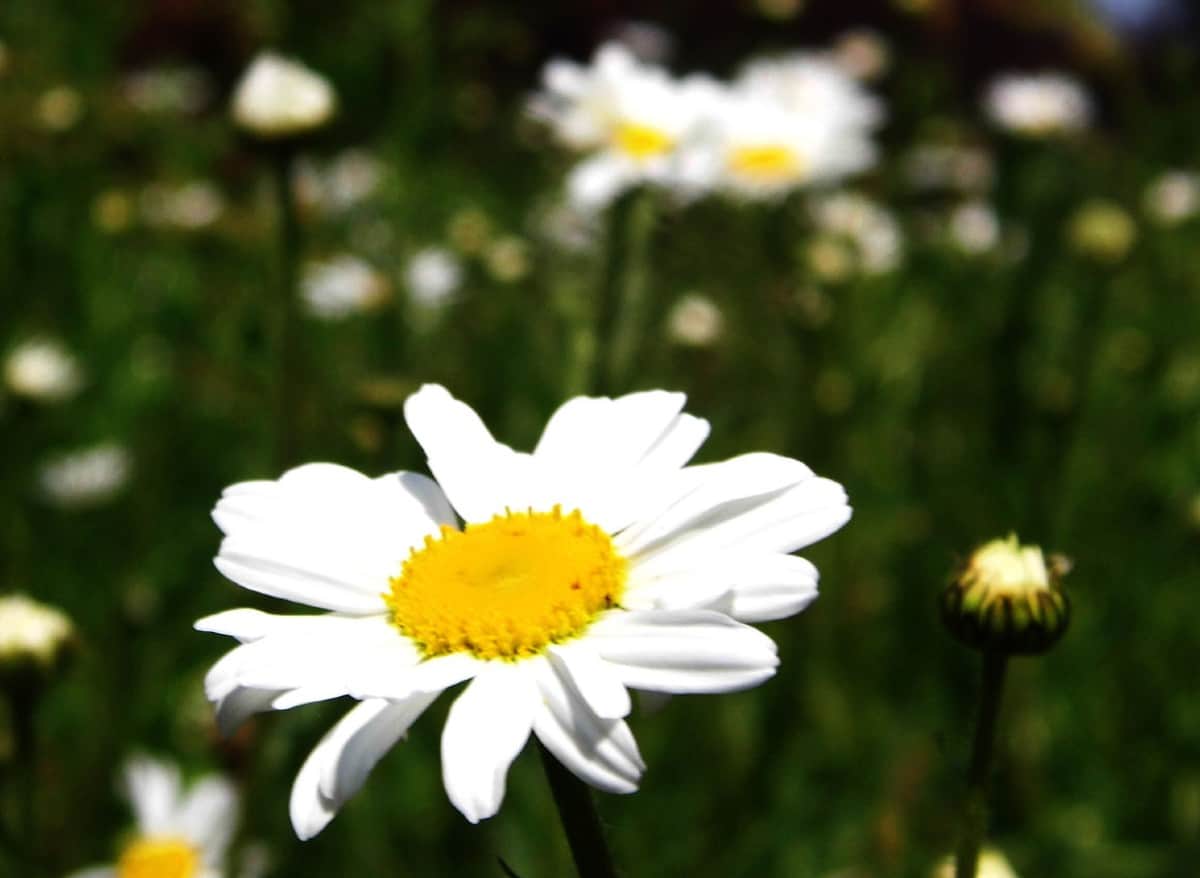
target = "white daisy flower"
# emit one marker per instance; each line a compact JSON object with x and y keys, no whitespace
{"x":1038,"y":105}
{"x":180,"y":834}
{"x":553,"y":581}
{"x":86,"y":477}
{"x":281,"y":98}
{"x":433,"y":277}
{"x":630,"y":117}
{"x":42,"y":369}
{"x":813,"y":85}
{"x":336,"y":288}
{"x":761,"y":141}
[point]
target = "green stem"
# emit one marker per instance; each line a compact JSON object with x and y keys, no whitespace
{"x":629,"y":275}
{"x":23,"y":699}
{"x":579,"y":819}
{"x":974,"y":817}
{"x":285,"y":319}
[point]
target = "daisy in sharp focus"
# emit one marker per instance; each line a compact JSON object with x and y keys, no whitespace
{"x":179,"y":834}
{"x":553,"y":581}
{"x":629,"y":117}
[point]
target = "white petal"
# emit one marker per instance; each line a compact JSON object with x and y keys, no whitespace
{"x":326,"y":654}
{"x":597,"y":683}
{"x":715,"y":493}
{"x":359,"y":739}
{"x":750,"y":587}
{"x":95,"y":872}
{"x":153,"y":788}
{"x":683,"y":650}
{"x":594,"y":182}
{"x":487,"y":726}
{"x":608,"y":433}
{"x":479,"y":475}
{"x":601,"y":752}
{"x":430,"y":675}
{"x":239,"y":704}
{"x":208,"y":816}
{"x":325,"y":535}
{"x":345,"y":775}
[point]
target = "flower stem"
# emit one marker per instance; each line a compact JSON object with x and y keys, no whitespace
{"x":285,"y":317}
{"x":628,"y":278}
{"x":974,"y":817}
{"x":579,"y":819}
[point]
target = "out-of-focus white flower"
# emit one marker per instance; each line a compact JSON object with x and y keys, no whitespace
{"x":974,"y":227}
{"x":335,"y":288}
{"x":168,"y":90}
{"x":278,"y":98}
{"x":59,"y":109}
{"x":868,"y":225}
{"x":862,"y":53}
{"x":85,"y":478}
{"x":694,"y":321}
{"x":991,"y":864}
{"x":433,"y":277}
{"x":1173,"y":197}
{"x":32,"y":634}
{"x":629,"y":117}
{"x":568,"y":228}
{"x":350,"y":178}
{"x":949,"y":166}
{"x":42,"y":369}
{"x":180,"y":834}
{"x":785,"y":123}
{"x":1038,"y":104}
{"x":187,"y":207}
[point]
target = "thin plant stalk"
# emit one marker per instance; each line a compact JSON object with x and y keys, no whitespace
{"x":628,"y":279}
{"x":974,"y":813}
{"x":285,"y":316}
{"x":581,"y":823}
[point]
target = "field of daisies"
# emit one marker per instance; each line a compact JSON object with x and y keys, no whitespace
{"x":493,"y":439}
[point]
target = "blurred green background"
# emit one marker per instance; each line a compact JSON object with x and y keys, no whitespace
{"x":1044,"y":383}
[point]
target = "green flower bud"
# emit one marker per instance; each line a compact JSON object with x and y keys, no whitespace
{"x":1007,"y":599}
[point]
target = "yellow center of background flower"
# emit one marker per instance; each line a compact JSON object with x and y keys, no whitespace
{"x":765,"y":162}
{"x":159,"y":858}
{"x":508,"y":588}
{"x":642,"y":141}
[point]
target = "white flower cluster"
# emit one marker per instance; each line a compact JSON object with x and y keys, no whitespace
{"x":781,"y":124}
{"x":87,"y":477}
{"x":31,"y":631}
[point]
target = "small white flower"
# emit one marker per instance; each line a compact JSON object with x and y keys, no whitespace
{"x":186,"y":207}
{"x":168,"y":90}
{"x":31,"y":632}
{"x":862,"y":53}
{"x":1173,"y":197}
{"x":433,"y":277}
{"x":338,"y":287}
{"x":629,"y":117}
{"x":694,"y":321}
{"x":345,"y":182}
{"x":785,"y":123}
{"x":991,"y":864}
{"x":181,"y":834}
{"x":866,"y":224}
{"x":1038,"y":105}
{"x":85,"y":478}
{"x":280,"y":98}
{"x":598,"y":563}
{"x":42,"y":369}
{"x":974,"y":227}
{"x":931,"y":166}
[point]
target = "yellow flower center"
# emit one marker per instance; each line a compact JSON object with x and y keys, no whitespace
{"x":765,"y":163}
{"x":159,"y":858}
{"x":508,"y":588}
{"x":642,"y":141}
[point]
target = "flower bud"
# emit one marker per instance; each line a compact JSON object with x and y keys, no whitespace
{"x":991,"y":864}
{"x":1008,"y":599}
{"x":34,"y":639}
{"x":278,"y":99}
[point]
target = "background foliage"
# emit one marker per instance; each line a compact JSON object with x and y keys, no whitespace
{"x":1036,"y":388}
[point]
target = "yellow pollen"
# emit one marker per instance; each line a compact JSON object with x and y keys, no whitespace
{"x":508,"y":588}
{"x":765,"y":163}
{"x":159,"y":858}
{"x":642,"y":141}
